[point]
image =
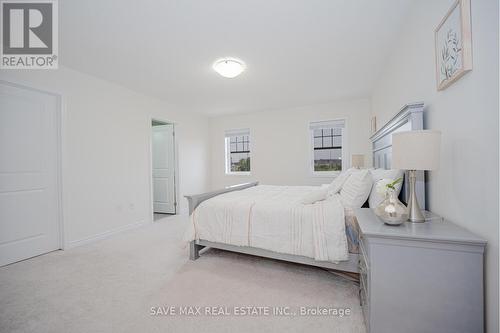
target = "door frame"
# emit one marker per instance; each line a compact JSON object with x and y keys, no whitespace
{"x":60,"y":112}
{"x":176,"y":165}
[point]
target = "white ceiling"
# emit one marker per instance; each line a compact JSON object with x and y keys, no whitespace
{"x":297,"y":52}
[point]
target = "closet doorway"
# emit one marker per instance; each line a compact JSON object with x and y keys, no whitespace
{"x":163,"y":171}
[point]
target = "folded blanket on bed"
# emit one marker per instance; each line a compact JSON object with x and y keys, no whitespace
{"x":274,"y":218}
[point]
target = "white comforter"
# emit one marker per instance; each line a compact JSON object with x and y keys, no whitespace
{"x":273,"y":218}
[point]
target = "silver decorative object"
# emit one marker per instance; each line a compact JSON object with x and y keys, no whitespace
{"x":391,"y":210}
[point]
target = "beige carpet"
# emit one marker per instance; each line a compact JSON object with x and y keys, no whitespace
{"x":112,"y":285}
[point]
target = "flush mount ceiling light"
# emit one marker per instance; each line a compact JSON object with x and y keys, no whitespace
{"x":229,"y":67}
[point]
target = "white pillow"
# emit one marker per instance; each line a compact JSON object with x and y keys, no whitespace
{"x":356,"y":189}
{"x":338,"y":182}
{"x":315,"y":195}
{"x":383,"y":175}
{"x":376,"y":197}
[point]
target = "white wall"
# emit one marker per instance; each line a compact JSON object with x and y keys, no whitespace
{"x":465,"y":189}
{"x":106,"y":151}
{"x":280,"y":149}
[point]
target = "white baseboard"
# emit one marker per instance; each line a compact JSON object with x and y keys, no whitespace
{"x":104,"y":235}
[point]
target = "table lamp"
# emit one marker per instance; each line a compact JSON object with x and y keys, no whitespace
{"x":415,"y":150}
{"x":357,"y":161}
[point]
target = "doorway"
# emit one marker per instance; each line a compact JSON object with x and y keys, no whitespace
{"x":30,"y":173}
{"x":163,"y":169}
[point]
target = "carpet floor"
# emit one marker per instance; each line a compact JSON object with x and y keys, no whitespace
{"x":142,"y":281}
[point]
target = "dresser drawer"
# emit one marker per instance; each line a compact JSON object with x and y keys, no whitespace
{"x":423,"y":258}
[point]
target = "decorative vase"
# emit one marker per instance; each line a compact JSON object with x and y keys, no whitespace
{"x":391,"y":210}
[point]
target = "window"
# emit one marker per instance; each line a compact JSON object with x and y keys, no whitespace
{"x":238,"y":151}
{"x":327,"y":140}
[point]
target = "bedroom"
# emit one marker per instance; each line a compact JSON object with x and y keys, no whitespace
{"x":357,"y":63}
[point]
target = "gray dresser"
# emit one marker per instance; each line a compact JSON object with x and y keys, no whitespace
{"x":425,"y":277}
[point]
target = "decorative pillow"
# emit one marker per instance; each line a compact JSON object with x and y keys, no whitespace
{"x":383,"y":176}
{"x":315,"y":195}
{"x":356,"y":189}
{"x":338,"y":182}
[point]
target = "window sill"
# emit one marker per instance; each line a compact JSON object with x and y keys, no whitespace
{"x":242,"y":173}
{"x":325,"y":174}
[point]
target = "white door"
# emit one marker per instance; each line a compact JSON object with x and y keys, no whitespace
{"x":29,"y":211}
{"x":163,"y":169}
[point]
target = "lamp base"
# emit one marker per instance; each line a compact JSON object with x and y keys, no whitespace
{"x":415,"y":214}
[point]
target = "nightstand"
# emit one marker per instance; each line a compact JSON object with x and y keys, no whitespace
{"x":419,"y":277}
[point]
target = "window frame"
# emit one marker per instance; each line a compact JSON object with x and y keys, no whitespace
{"x":227,"y":158}
{"x":345,"y":154}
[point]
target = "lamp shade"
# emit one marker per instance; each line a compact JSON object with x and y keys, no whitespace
{"x":416,"y":150}
{"x":357,"y":160}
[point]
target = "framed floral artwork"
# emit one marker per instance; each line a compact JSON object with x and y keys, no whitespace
{"x":453,"y":44}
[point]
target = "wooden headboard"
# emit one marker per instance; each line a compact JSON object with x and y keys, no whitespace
{"x":409,"y":118}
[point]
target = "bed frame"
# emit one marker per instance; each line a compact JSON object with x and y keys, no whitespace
{"x":409,"y":118}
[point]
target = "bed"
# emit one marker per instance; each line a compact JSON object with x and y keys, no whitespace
{"x":270,"y":221}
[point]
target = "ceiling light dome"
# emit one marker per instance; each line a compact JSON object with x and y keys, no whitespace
{"x":229,"y":67}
